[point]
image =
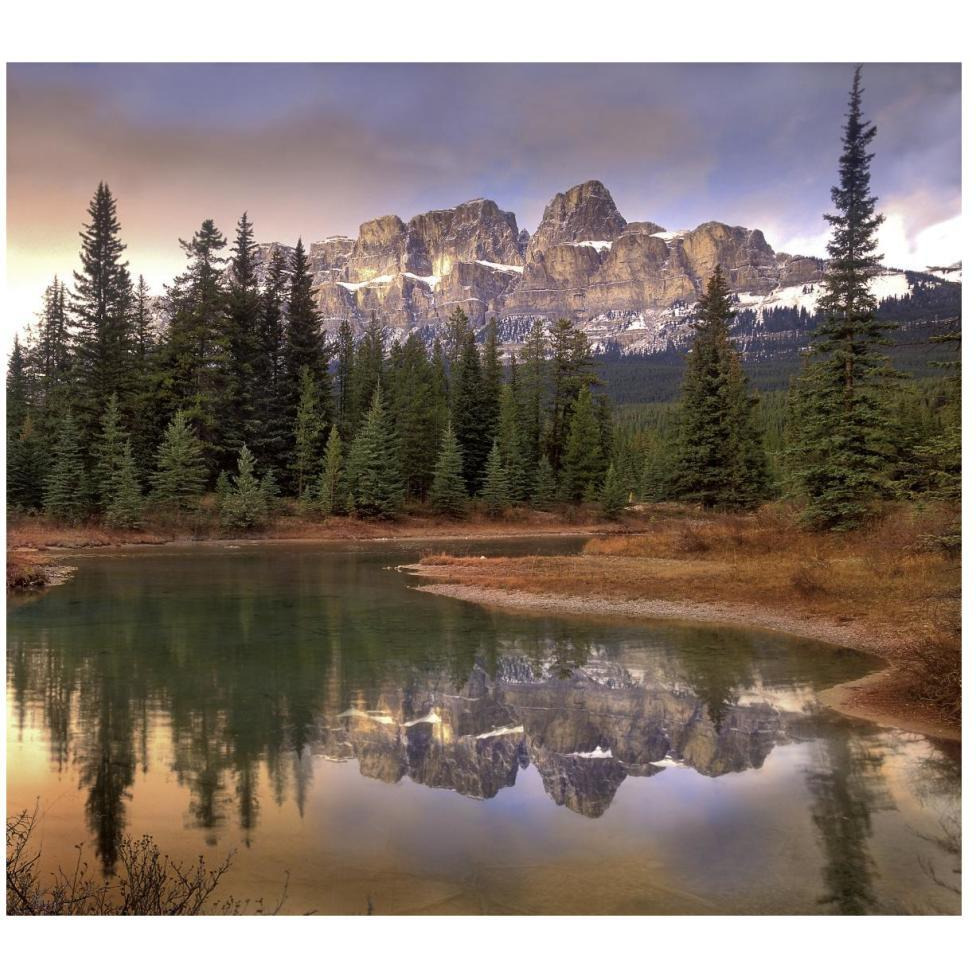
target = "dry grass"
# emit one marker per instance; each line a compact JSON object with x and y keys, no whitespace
{"x":298,"y":522}
{"x":26,"y":570}
{"x":888,"y":579}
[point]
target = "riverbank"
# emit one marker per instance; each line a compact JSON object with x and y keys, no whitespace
{"x":887,"y":590}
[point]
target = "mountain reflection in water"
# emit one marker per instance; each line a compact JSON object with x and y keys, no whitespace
{"x":238,"y":675}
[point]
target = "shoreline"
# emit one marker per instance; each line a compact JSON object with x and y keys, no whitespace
{"x":847,"y":698}
{"x":874,"y":697}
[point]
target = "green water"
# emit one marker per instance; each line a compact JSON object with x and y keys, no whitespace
{"x":392,"y":751}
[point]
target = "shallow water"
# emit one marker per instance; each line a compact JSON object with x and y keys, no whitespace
{"x":393,"y":751}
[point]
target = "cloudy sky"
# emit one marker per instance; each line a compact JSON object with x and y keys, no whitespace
{"x":313,"y":150}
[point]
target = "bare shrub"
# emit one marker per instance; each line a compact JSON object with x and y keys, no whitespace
{"x":147,"y":882}
{"x":931,"y":668}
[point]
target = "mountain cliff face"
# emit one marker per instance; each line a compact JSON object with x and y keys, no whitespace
{"x":629,"y":284}
{"x":585,"y":732}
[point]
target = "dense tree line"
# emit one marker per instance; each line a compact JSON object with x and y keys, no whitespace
{"x":228,"y":384}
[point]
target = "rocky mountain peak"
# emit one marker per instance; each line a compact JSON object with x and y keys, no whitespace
{"x":585,"y":212}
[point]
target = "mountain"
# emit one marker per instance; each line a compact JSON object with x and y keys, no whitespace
{"x":631,"y":286}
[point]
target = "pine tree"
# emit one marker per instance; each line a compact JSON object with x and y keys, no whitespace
{"x":448,"y":493}
{"x":304,"y":345}
{"x":245,"y":505}
{"x":533,"y":381}
{"x":332,"y":484}
{"x":495,"y":492}
{"x":145,"y":424}
{"x":374,"y":474}
{"x":64,"y":489}
{"x":124,"y":501}
{"x":491,"y":380}
{"x":101,"y":306}
{"x":308,"y":433}
{"x":613,"y":496}
{"x":240,"y":418}
{"x":840,"y":444}
{"x":27,"y":461}
{"x":719,"y":459}
{"x":544,"y":492}
{"x":583,"y":463}
{"x":419,"y":410}
{"x":18,"y":395}
{"x":345,"y":358}
{"x":511,"y":446}
{"x":367,"y":371}
{"x":108,"y":452}
{"x":274,"y":427}
{"x":467,"y":403}
{"x":195,"y":359}
{"x":181,"y":472}
{"x":572,"y":369}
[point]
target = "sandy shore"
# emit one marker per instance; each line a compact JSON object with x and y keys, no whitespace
{"x":860,"y":698}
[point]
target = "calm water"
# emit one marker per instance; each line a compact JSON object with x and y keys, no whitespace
{"x":398,"y":752}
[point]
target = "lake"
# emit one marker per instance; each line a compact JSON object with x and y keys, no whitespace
{"x":390,"y":751}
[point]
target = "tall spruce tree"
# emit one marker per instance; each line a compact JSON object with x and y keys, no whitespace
{"x":240,"y":418}
{"x":304,"y":345}
{"x":511,"y":444}
{"x":27,"y":466}
{"x":374,"y":469}
{"x":467,"y":403}
{"x":124,"y":503}
{"x":101,"y":306}
{"x":840,"y":429}
{"x":448,"y":493}
{"x":181,"y":471}
{"x":108,"y":452}
{"x":308,"y":433}
{"x":195,"y":359}
{"x":419,"y":412}
{"x":491,"y":380}
{"x":719,"y":460}
{"x":270,"y":442}
{"x":495,"y":492}
{"x":368,"y":369}
{"x":64,"y":490}
{"x":572,"y":368}
{"x":583,"y":459}
{"x":332,"y":483}
{"x":344,"y":391}
{"x":533,"y":382}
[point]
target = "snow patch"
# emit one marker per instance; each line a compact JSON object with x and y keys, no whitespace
{"x":505,"y":730}
{"x":890,"y":286}
{"x":356,"y":285}
{"x":597,"y":753}
{"x":670,"y":235}
{"x":596,"y":245}
{"x":431,"y":718}
{"x":428,"y":280}
{"x":665,"y":762}
{"x":511,"y":268}
{"x":372,"y":716}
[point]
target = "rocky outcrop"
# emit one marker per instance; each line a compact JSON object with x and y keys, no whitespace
{"x":620,"y":281}
{"x":583,"y":213}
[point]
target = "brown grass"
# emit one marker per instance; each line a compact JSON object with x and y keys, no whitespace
{"x":888,"y":579}
{"x":26,"y":570}
{"x":296,"y":522}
